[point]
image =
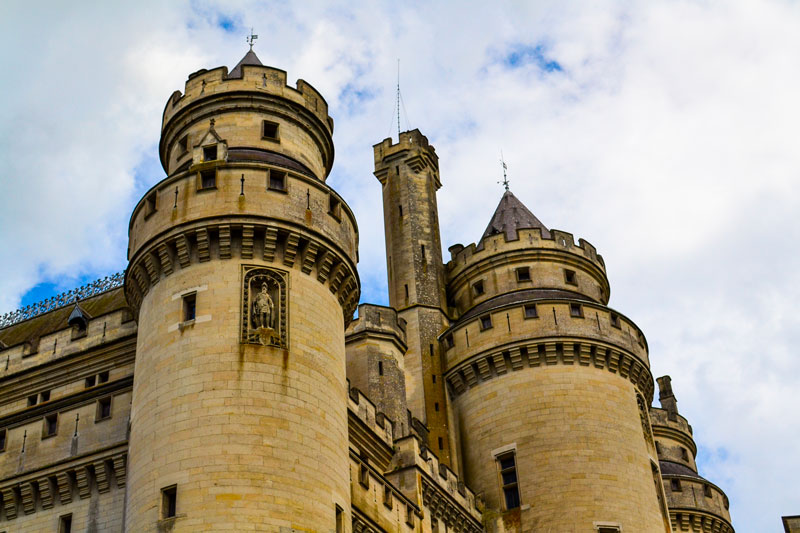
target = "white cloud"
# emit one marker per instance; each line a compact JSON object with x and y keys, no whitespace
{"x":667,"y":140}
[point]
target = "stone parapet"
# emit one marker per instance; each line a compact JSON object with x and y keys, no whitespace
{"x":378,"y":322}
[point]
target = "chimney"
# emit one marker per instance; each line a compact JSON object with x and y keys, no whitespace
{"x":667,"y":398}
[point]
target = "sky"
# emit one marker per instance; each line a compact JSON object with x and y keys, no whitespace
{"x":663,"y":132}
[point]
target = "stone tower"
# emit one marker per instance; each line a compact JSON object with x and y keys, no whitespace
{"x":550,"y":386}
{"x":242,"y":272}
{"x":409,"y":175}
{"x":695,"y":504}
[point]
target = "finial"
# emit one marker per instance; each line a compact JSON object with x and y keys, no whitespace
{"x":251,"y":39}
{"x":505,"y":168}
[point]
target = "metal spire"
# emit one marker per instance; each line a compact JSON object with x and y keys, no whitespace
{"x":505,"y":168}
{"x":398,"y":99}
{"x":251,"y":39}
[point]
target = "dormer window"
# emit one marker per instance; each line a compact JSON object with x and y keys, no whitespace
{"x":210,"y":153}
{"x":269,"y":131}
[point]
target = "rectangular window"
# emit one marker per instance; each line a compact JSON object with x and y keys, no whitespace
{"x":151,"y":204}
{"x":684,"y":454}
{"x":65,"y":524}
{"x":508,"y":479}
{"x":189,"y":306}
{"x":103,"y":409}
{"x":169,"y":502}
{"x":401,"y":211}
{"x":3,"y":434}
{"x":486,"y":322}
{"x":707,"y":491}
{"x":183,"y":145}
{"x":44,"y":396}
{"x":436,"y":406}
{"x":363,"y":475}
{"x":607,"y":529}
{"x":570,"y":277}
{"x":449,"y":341}
{"x":423,"y":252}
{"x":90,"y":381}
{"x":208,"y":179}
{"x":576,"y":310}
{"x":50,"y":425}
{"x":615,"y":320}
{"x":410,"y":514}
{"x":339,"y":520}
{"x":334,"y":207}
{"x":434,"y":378}
{"x":102,"y":377}
{"x":530,"y":311}
{"x":675,"y":485}
{"x":33,"y":400}
{"x":270,"y":130}
{"x":477,"y":288}
{"x":441,"y":443}
{"x":380,"y":368}
{"x":387,"y":496}
{"x":406,"y":291}
{"x":210,"y":153}
{"x":277,"y":180}
{"x":523,"y":274}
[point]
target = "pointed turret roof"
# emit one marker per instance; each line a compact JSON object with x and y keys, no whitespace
{"x":511,"y":215}
{"x":250,"y":58}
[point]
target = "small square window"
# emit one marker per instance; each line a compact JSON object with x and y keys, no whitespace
{"x":169,"y":502}
{"x":277,"y":180}
{"x":675,"y":485}
{"x":189,"y":307}
{"x":210,"y":153}
{"x":90,"y":382}
{"x":449,"y":341}
{"x":530,"y":311}
{"x":103,"y":409}
{"x":477,"y":288}
{"x":270,"y":130}
{"x":570,"y":277}
{"x":523,"y":274}
{"x":615,"y":320}
{"x":334,"y":207}
{"x":50,"y":425}
{"x":44,"y":396}
{"x":486,"y":322}
{"x":33,"y":400}
{"x":183,"y":145}
{"x":576,"y":310}
{"x":3,"y":435}
{"x":102,"y":377}
{"x":65,"y":524}
{"x":208,"y":179}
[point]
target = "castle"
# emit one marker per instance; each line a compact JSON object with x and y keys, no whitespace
{"x":222,"y":383}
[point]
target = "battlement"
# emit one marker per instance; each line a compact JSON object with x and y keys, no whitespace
{"x":378,"y":320}
{"x":462,"y":257}
{"x":409,"y":452}
{"x":205,"y":84}
{"x":366,"y":411}
{"x":409,"y":140}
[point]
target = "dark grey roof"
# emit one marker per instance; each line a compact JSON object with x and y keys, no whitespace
{"x":668,"y":468}
{"x":250,"y":58}
{"x":511,"y":216}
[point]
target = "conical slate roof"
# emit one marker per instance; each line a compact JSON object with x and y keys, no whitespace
{"x":511,"y":216}
{"x":250,"y":58}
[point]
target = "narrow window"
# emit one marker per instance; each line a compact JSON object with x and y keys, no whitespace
{"x":508,"y":479}
{"x":90,"y":381}
{"x":675,"y":485}
{"x":183,"y":144}
{"x":410,"y":514}
{"x":423,"y":252}
{"x":151,"y":204}
{"x":523,"y":274}
{"x":102,"y":377}
{"x":434,"y":378}
{"x":169,"y":501}
{"x":449,"y":341}
{"x":270,"y":130}
{"x":44,"y":396}
{"x":397,"y":170}
{"x":334,"y":207}
{"x":65,"y":524}
{"x":615,"y":320}
{"x":363,"y":475}
{"x":339,"y":520}
{"x":530,"y":311}
{"x":3,"y":433}
{"x":210,"y":153}
{"x":707,"y":491}
{"x":477,"y":288}
{"x":401,"y":211}
{"x":569,"y":277}
{"x":380,"y":368}
{"x":50,"y":425}
{"x":430,"y":348}
{"x":189,"y":306}
{"x":406,"y":291}
{"x":277,"y":180}
{"x":576,"y":310}
{"x":684,"y":454}
{"x":486,"y":322}
{"x":208,"y":179}
{"x":441,"y":443}
{"x":33,"y":400}
{"x":103,"y":409}
{"x":387,"y":496}
{"x":436,"y":406}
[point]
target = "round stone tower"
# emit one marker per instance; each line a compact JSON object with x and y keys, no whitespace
{"x":550,"y":387}
{"x":242,"y":274}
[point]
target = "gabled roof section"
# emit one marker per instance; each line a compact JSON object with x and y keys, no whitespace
{"x":250,"y":58}
{"x":511,"y":215}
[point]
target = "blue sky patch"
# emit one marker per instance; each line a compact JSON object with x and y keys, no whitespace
{"x":522,"y":55}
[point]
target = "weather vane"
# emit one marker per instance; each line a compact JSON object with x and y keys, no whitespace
{"x":251,"y":39}
{"x":505,"y":168}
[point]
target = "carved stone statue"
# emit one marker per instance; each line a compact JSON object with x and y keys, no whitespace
{"x":263,"y":309}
